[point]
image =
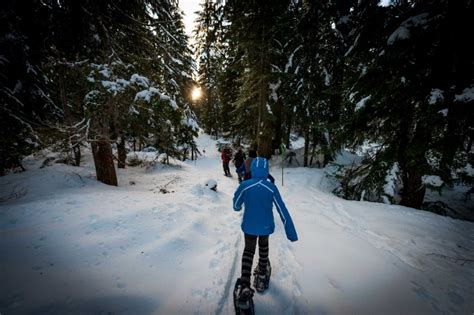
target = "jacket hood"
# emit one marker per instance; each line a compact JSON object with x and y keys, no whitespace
{"x":259,"y":168}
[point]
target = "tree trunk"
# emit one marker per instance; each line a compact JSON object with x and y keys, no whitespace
{"x":289,"y":125}
{"x":277,"y":126}
{"x":66,"y":112}
{"x":104,"y":162}
{"x":265,"y":146}
{"x":122,"y":153}
{"x":306,"y":147}
{"x":3,"y":162}
{"x":313,"y":149}
{"x":413,"y":189}
{"x":76,"y":150}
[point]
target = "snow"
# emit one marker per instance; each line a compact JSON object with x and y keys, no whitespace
{"x":468,"y":169}
{"x":444,"y":112}
{"x":403,"y":31}
{"x":30,"y":68}
{"x":361,"y":104}
{"x":289,"y":64}
{"x":399,"y":34}
{"x":146,"y":94}
{"x":327,"y":77}
{"x":352,"y":95}
{"x":171,"y":102}
{"x":90,"y":96}
{"x":390,"y":187}
{"x":71,"y":245}
{"x":466,"y":96}
{"x":105,"y":72}
{"x":116,"y":86}
{"x":432,"y":180}
{"x":139,"y":80}
{"x":436,"y":96}
{"x":274,"y":91}
{"x":188,"y":121}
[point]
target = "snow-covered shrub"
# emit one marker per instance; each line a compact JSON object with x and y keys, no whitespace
{"x":368,"y":180}
{"x":142,"y":159}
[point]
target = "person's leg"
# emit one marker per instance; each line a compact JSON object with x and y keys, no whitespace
{"x":262,"y":254}
{"x":247,"y":258}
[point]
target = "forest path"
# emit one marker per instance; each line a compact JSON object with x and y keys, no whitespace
{"x":71,"y":245}
{"x":278,"y":298}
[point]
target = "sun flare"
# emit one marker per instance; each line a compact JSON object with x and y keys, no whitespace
{"x":196,"y":94}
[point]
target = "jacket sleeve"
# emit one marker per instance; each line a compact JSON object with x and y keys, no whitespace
{"x":238,"y":198}
{"x":285,"y":216}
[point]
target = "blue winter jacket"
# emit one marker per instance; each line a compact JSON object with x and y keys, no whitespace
{"x":258,"y":194}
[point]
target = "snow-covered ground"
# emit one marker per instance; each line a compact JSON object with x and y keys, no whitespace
{"x":71,"y":245}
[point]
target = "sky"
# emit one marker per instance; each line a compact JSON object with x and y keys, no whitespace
{"x":189,"y":7}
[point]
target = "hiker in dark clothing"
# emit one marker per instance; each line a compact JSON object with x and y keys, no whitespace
{"x":248,"y":163}
{"x":239,"y":162}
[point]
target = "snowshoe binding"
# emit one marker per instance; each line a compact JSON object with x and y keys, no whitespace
{"x":243,"y":299}
{"x":261,"y":280}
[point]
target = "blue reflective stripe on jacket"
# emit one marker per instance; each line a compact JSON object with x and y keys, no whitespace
{"x":258,"y":194}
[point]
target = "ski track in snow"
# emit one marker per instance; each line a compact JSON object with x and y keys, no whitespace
{"x":90,"y":248}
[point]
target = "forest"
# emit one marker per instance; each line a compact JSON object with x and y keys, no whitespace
{"x":116,"y":124}
{"x":391,"y":83}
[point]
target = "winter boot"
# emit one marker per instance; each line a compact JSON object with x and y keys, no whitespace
{"x":261,"y":280}
{"x":243,"y":298}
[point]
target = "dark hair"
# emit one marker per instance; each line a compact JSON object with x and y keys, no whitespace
{"x":252,"y":153}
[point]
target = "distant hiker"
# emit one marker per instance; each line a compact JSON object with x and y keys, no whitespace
{"x":258,"y":195}
{"x":290,"y":156}
{"x":239,"y":162}
{"x":248,"y":163}
{"x":226,"y":156}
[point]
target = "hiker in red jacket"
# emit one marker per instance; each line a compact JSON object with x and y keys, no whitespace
{"x":226,"y":156}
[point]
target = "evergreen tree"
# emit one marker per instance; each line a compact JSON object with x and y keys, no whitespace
{"x":401,"y":96}
{"x":207,"y":49}
{"x":255,"y":29}
{"x":118,"y":70}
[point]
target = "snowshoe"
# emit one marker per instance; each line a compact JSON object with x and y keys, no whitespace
{"x":243,"y":299}
{"x":261,"y":281}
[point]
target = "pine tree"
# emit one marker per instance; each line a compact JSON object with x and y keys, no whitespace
{"x":399,"y":94}
{"x":207,"y":50}
{"x":255,"y":29}
{"x":118,"y":70}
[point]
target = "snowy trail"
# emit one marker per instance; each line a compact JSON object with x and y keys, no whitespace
{"x":89,"y":248}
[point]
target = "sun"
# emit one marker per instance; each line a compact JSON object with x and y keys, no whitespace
{"x":196,"y":93}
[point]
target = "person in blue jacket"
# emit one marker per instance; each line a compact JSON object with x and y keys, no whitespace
{"x":258,"y":195}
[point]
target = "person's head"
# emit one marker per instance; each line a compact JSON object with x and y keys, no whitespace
{"x":259,"y":168}
{"x":252,"y":153}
